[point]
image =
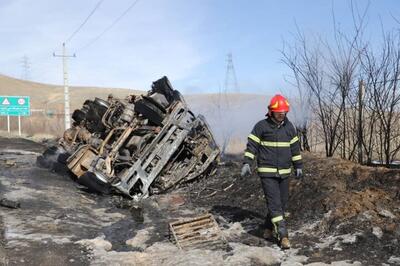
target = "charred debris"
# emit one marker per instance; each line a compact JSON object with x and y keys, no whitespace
{"x":137,"y":146}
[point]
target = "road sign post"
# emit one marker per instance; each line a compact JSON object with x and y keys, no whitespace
{"x":19,"y":125}
{"x":15,"y":106}
{"x":8,"y":124}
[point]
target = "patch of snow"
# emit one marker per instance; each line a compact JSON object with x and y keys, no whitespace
{"x":387,"y":214}
{"x":140,"y":238}
{"x":17,"y":233}
{"x":394,"y":260}
{"x":349,"y":238}
{"x":235,"y":229}
{"x":336,"y":263}
{"x":167,"y":254}
{"x":377,"y":231}
{"x":20,"y":192}
{"x":244,"y":255}
{"x":98,"y":244}
{"x":337,"y":240}
{"x":337,"y":247}
{"x":291,"y":258}
{"x":367,"y":215}
{"x":107,"y":218}
{"x":326,"y":242}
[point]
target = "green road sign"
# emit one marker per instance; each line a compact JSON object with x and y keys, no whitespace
{"x":15,"y":106}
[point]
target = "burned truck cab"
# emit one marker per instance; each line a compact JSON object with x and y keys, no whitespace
{"x":139,"y":145}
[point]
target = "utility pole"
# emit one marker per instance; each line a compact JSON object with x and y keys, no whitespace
{"x":231,"y":84}
{"x":361,"y":89}
{"x":25,"y":67}
{"x":66,"y":88}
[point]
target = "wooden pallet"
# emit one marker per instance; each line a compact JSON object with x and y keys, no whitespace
{"x":198,"y":232}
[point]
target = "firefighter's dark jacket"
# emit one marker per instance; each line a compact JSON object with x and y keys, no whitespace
{"x":275,"y":147}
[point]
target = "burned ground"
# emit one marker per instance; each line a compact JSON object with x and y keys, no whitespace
{"x":341,"y":211}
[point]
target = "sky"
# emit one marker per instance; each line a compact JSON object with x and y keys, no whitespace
{"x":186,"y":40}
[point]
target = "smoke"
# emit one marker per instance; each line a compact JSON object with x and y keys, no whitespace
{"x":300,"y":113}
{"x":231,"y":116}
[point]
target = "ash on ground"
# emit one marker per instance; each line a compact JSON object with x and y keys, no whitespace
{"x":341,"y":214}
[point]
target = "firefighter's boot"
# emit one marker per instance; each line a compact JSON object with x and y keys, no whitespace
{"x":281,"y":232}
{"x":268,"y":234}
{"x":285,"y":243}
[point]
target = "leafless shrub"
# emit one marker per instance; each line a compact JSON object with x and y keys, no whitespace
{"x":352,"y":90}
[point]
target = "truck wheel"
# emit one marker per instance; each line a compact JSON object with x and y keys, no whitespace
{"x":150,"y":110}
{"x":94,"y":184}
{"x":101,"y":102}
{"x":78,"y":115}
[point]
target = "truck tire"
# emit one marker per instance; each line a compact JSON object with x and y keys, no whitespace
{"x":152,"y":111}
{"x":78,"y":115}
{"x":94,"y":184}
{"x":101,"y":102}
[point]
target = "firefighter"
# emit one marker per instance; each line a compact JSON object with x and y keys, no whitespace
{"x":274,"y":145}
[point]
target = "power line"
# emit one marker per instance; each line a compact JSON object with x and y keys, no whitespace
{"x":84,"y":22}
{"x":109,"y":27}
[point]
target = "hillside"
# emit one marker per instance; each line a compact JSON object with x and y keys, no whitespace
{"x":231,"y":116}
{"x":47,"y":104}
{"x":46,"y":96}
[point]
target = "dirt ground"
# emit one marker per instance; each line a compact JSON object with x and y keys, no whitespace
{"x":340,"y":211}
{"x":340,"y":214}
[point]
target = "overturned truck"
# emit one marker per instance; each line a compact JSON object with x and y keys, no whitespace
{"x":138,"y":146}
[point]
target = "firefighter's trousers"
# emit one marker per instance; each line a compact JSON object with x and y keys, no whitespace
{"x":276,"y":191}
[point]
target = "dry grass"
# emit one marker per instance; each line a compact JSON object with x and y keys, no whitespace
{"x":47,"y":99}
{"x":51,"y":97}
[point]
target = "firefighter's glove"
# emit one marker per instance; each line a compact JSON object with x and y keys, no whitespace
{"x":299,"y":173}
{"x":246,"y":170}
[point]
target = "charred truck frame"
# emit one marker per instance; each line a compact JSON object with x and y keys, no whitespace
{"x":139,"y":146}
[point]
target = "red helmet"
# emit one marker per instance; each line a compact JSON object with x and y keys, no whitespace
{"x":278,"y":103}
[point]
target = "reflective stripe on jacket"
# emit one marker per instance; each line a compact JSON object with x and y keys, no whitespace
{"x":275,"y":147}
